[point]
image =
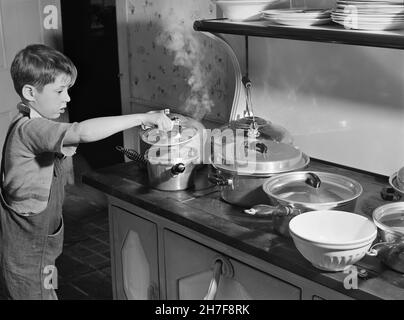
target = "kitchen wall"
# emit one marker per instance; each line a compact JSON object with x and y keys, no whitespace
{"x":343,"y":104}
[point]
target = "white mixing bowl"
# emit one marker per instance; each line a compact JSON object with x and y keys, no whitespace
{"x":332,"y":240}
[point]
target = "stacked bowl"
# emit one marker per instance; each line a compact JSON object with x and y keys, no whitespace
{"x":332,"y":240}
{"x":243,"y":9}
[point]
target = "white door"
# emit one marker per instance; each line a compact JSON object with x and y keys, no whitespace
{"x":23,"y":22}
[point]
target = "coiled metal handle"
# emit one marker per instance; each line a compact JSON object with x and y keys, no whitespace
{"x":133,"y":155}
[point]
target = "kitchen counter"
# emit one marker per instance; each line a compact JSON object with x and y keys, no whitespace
{"x":204,"y":212}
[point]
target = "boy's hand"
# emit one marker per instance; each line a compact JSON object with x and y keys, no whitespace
{"x":159,"y":119}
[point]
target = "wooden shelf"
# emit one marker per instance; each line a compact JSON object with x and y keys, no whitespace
{"x":331,"y":33}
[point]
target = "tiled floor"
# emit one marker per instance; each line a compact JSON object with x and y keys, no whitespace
{"x":84,"y":268}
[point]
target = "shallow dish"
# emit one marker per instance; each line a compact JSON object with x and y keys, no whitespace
{"x":332,"y":240}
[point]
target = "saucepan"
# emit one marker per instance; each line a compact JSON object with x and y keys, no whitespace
{"x":168,"y":168}
{"x":389,"y":219}
{"x":293,"y":193}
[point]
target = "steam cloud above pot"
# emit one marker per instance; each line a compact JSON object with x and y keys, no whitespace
{"x":188,"y":53}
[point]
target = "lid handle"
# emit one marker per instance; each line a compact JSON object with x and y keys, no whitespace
{"x":257,"y":146}
{"x":312,"y":180}
{"x":178,"y":168}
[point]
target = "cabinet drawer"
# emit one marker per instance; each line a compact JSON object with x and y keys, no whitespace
{"x":189,"y":270}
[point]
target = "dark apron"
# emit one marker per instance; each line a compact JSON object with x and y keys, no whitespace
{"x":30,"y":244}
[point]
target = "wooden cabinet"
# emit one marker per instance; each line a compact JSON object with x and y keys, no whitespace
{"x":156,"y":258}
{"x":189,"y":268}
{"x":135,"y":256}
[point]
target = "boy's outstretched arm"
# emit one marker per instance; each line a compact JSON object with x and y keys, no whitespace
{"x":99,"y":128}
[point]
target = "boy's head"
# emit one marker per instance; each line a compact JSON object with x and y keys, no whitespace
{"x":41,"y":77}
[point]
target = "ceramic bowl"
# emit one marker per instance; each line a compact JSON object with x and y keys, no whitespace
{"x":332,"y":240}
{"x":243,"y":9}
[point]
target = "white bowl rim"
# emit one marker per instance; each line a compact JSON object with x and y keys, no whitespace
{"x":366,"y":239}
{"x":333,"y":246}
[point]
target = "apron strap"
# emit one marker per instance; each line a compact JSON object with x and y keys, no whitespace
{"x":12,"y":125}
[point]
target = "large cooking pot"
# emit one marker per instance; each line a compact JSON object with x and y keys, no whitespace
{"x":389,"y":219}
{"x":296,"y":192}
{"x":241,"y":167}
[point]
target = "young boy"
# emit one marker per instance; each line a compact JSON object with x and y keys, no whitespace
{"x":32,"y":182}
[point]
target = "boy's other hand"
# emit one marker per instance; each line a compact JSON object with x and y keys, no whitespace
{"x":159,"y":119}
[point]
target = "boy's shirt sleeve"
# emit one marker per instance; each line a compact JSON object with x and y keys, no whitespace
{"x":42,"y":135}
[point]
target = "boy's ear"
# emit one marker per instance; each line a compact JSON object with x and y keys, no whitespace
{"x":28,"y":92}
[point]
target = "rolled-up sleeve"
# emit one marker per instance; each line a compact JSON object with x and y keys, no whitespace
{"x":43,"y":135}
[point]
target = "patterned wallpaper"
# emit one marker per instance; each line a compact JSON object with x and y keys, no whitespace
{"x":172,"y":65}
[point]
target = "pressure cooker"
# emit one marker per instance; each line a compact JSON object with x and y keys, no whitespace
{"x":246,"y":153}
{"x":172,"y":158}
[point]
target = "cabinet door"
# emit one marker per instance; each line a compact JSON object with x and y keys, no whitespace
{"x":189,"y":270}
{"x":135,"y":256}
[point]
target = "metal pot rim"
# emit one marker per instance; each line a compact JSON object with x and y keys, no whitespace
{"x":378,"y":214}
{"x":357,"y":185}
{"x":305,"y":160}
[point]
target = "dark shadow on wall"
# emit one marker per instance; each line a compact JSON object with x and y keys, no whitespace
{"x":90,"y":40}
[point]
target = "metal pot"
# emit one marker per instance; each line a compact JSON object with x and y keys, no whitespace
{"x":296,"y":192}
{"x":243,"y":165}
{"x":244,"y":190}
{"x":168,"y":168}
{"x":389,"y":220}
{"x":171,"y":168}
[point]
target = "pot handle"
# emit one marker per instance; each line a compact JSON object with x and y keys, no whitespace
{"x":219,"y":180}
{"x":389,"y":194}
{"x":133,"y":155}
{"x":264,"y":210}
{"x":313,"y":180}
{"x":385,"y":245}
{"x":374,"y":252}
{"x":177,"y":169}
{"x":146,"y":127}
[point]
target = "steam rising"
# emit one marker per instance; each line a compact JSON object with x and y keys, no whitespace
{"x":188,"y":53}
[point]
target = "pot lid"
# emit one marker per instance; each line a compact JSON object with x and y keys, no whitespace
{"x":184,"y":130}
{"x":303,"y":187}
{"x":260,"y":128}
{"x":257,"y":157}
{"x":172,"y":155}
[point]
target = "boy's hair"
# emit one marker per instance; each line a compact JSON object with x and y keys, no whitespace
{"x":39,"y":65}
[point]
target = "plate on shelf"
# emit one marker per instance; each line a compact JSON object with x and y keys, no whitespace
{"x":297,"y":13}
{"x":300,"y":22}
{"x":372,"y":26}
{"x":298,"y":17}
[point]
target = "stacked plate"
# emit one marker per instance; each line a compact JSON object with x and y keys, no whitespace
{"x":374,"y":15}
{"x":298,"y":17}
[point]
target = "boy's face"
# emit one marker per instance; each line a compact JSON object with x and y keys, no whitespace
{"x":53,"y":99}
